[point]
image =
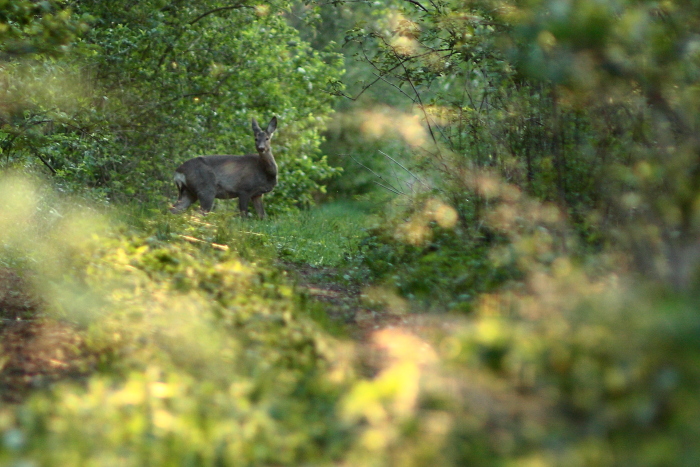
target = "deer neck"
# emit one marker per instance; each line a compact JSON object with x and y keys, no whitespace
{"x":268,"y":161}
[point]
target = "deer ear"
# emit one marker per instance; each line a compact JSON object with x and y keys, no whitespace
{"x":272,"y":126}
{"x":256,"y":127}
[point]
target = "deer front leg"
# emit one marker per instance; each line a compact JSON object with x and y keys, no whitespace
{"x":206,"y":198}
{"x":259,"y":208}
{"x":243,"y":201}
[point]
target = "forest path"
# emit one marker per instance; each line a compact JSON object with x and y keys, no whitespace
{"x":38,"y":350}
{"x":35,"y":351}
{"x":368,"y":327}
{"x":342,"y":301}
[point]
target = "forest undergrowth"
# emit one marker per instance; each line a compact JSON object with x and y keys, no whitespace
{"x":203,"y":310}
{"x":153,"y":338}
{"x":309,"y":248}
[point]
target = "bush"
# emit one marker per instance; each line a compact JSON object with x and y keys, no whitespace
{"x":149,"y":87}
{"x":431,"y":257}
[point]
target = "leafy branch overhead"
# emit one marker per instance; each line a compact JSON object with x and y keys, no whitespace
{"x":154,"y":83}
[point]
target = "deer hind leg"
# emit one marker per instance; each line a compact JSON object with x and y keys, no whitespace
{"x":258,"y":204}
{"x":205,"y":186}
{"x":184,"y":199}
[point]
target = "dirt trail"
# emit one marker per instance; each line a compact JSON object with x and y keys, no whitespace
{"x":34,"y":351}
{"x":37,"y":351}
{"x":344,"y":302}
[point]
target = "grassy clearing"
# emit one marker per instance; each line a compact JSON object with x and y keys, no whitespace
{"x":315,"y":244}
{"x":320,"y":237}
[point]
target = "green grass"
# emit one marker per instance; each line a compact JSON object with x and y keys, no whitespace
{"x":321,"y":237}
{"x":324,"y":238}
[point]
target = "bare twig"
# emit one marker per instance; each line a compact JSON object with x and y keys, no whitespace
{"x":216,"y":10}
{"x":198,"y":18}
{"x":200,"y":241}
{"x":394,"y":173}
{"x":387,"y":188}
{"x":46,"y":163}
{"x":413,"y":87}
{"x":400,"y":165}
{"x":336,"y":2}
{"x":381,"y":74}
{"x":418,"y":5}
{"x":394,"y":189}
{"x":397,"y":88}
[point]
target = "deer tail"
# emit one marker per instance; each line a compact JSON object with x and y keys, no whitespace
{"x":179,"y":180}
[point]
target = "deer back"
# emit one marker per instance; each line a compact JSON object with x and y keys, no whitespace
{"x":229,"y":176}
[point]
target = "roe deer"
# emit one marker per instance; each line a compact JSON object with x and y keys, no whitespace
{"x":244,"y":177}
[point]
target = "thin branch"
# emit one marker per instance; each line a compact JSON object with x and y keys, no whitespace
{"x":171,"y":46}
{"x":203,"y":242}
{"x":396,"y":190}
{"x":418,"y":5}
{"x":395,"y":174}
{"x":400,"y":165}
{"x":364,"y":88}
{"x":407,"y":77}
{"x":216,"y":10}
{"x":336,"y":2}
{"x":383,"y":73}
{"x":36,"y":153}
{"x":420,"y":101}
{"x":435,"y":158}
{"x":435,"y":6}
{"x":387,"y":188}
{"x":397,"y":88}
{"x":367,"y":86}
{"x":168,"y":101}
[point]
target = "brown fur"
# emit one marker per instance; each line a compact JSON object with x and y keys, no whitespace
{"x":246,"y":177}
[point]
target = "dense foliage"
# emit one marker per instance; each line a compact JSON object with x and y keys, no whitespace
{"x":153,"y":84}
{"x":585,"y":106}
